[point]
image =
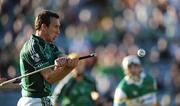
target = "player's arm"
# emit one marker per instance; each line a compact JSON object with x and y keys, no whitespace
{"x":38,"y":60}
{"x":58,"y":97}
{"x":119,"y":98}
{"x":154,"y":96}
{"x":63,"y":66}
{"x":154,"y":101}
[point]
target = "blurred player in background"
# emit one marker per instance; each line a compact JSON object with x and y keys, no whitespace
{"x":79,"y":89}
{"x":39,"y":52}
{"x":137,"y":87}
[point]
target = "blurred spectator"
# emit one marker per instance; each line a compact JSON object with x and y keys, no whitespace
{"x":175,"y":72}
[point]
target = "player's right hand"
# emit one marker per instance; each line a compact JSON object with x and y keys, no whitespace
{"x":61,"y":62}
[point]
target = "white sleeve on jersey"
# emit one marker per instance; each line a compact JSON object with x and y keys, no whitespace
{"x":149,"y":99}
{"x":119,"y":97}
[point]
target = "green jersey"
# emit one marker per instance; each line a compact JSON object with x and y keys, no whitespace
{"x":77,"y":93}
{"x":131,"y":93}
{"x":36,"y":54}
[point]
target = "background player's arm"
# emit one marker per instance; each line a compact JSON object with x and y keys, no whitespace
{"x":155,"y":102}
{"x":119,"y":98}
{"x":150,"y":99}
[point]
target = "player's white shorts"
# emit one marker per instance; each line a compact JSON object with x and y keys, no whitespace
{"x":29,"y":101}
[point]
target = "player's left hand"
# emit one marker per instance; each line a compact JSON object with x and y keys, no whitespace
{"x":72,"y":62}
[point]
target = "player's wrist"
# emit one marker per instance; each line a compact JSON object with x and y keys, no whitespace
{"x":61,"y":61}
{"x":58,"y":68}
{"x":72,"y":62}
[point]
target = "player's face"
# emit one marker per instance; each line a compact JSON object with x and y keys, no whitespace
{"x":135,"y":69}
{"x":53,"y":29}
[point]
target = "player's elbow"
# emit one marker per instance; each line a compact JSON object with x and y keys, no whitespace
{"x":53,"y":78}
{"x":49,"y":76}
{"x":49,"y":79}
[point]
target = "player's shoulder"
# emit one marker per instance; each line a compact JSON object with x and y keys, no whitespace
{"x":29,"y":47}
{"x":123,"y":83}
{"x":148,"y":77}
{"x":24,"y":48}
{"x":30,"y":42}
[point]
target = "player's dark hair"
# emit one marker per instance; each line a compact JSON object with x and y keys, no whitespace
{"x":44,"y":18}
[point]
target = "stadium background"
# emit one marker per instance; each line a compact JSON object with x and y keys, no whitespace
{"x":111,"y":28}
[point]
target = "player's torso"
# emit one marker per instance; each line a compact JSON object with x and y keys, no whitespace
{"x":80,"y":93}
{"x":35,"y":85}
{"x":145,"y":100}
{"x":141,"y":94}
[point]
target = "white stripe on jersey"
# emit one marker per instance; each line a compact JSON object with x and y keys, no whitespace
{"x":119,"y":96}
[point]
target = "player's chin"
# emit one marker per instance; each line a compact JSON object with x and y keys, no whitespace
{"x":53,"y":38}
{"x":55,"y":35}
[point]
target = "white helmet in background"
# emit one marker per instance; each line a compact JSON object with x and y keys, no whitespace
{"x":128,"y":60}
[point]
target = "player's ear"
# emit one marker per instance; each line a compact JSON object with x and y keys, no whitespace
{"x":43,"y":27}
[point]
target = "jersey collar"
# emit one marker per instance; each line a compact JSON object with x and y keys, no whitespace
{"x":38,"y":39}
{"x":131,"y":81}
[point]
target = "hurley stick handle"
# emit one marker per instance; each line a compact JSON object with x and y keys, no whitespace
{"x":51,"y":66}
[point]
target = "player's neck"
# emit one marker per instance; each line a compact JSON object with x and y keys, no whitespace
{"x":41,"y":35}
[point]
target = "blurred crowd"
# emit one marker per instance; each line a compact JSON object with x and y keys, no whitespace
{"x":112,"y":29}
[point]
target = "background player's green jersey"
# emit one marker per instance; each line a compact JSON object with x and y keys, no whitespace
{"x":36,"y":54}
{"x":77,"y":93}
{"x":130,"y":93}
